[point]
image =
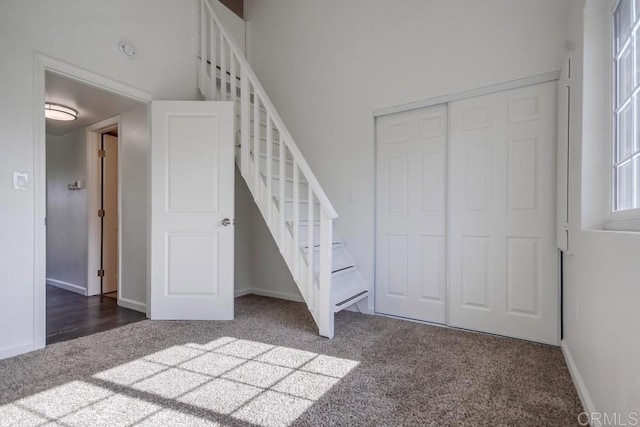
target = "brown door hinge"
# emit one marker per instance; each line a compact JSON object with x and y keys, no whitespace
{"x":101,"y":153}
{"x":101,"y":213}
{"x":100,"y":273}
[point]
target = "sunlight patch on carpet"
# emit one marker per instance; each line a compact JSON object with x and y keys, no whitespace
{"x":191,"y":384}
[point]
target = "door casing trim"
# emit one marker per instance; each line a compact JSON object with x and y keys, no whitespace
{"x":41,"y":64}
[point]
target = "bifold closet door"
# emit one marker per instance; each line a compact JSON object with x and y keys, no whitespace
{"x":411,"y":214}
{"x":503,"y":257}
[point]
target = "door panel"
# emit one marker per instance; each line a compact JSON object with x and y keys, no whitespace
{"x":110,"y":219}
{"x":192,"y":191}
{"x":411,"y":214}
{"x":503,"y":259}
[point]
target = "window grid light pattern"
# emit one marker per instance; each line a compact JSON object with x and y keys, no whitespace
{"x":225,"y":381}
{"x":626,"y":162}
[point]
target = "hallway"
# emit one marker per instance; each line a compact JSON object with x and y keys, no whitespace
{"x":71,"y":315}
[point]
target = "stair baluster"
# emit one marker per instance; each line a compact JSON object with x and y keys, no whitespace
{"x":245,"y":108}
{"x":269,"y":168}
{"x":217,"y":50}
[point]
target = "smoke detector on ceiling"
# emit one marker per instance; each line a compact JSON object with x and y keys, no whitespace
{"x":127,"y":50}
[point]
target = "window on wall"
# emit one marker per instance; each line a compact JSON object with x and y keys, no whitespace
{"x":626,"y":153}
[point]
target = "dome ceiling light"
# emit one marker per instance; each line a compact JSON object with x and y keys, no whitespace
{"x":59,"y":112}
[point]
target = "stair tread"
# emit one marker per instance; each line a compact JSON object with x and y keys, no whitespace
{"x":316,"y":248}
{"x":290,"y":200}
{"x":348,"y":292}
{"x":263,"y":138}
{"x":286,"y":178}
{"x":301,"y":222}
{"x":339,"y":270}
{"x":274,"y":154}
{"x":290,"y":161}
{"x":343,"y":269}
{"x":276,"y":139}
{"x":342,"y":301}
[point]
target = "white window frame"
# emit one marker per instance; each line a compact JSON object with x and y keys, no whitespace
{"x":628,"y":219}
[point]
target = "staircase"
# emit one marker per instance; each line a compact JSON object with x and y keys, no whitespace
{"x":288,"y":195}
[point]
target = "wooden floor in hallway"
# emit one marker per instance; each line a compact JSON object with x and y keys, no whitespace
{"x":71,"y":315}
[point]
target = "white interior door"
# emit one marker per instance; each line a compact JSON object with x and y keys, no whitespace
{"x":503,"y":256}
{"x":192,"y":197}
{"x":411,"y":214}
{"x":110,"y":219}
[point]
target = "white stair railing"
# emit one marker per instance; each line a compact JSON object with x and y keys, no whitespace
{"x":220,"y":59}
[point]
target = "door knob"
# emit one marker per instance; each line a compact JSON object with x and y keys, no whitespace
{"x":226,"y":222}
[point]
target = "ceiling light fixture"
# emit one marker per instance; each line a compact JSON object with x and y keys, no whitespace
{"x":59,"y":112}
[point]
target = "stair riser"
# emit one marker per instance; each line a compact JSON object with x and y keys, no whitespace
{"x":288,"y":167}
{"x":346,"y":286}
{"x":303,"y":239}
{"x":263,"y":114}
{"x":339,"y":256}
{"x":303,"y":210}
{"x":288,"y":188}
{"x":263,"y":123}
{"x":275,"y":151}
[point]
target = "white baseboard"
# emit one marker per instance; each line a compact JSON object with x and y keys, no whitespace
{"x":242,"y":292}
{"x":5,"y":353}
{"x":133,"y":305}
{"x":361,"y":307}
{"x":67,"y":286}
{"x":583,"y":393}
{"x":272,"y":294}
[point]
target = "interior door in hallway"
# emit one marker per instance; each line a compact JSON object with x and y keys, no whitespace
{"x":192,"y":207}
{"x":411,"y":214}
{"x":110,"y":218}
{"x":503,"y":257}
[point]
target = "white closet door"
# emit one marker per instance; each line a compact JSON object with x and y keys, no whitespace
{"x":503,"y":256}
{"x":411,"y":214}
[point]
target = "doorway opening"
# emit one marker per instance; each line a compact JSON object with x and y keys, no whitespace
{"x":82,"y":169}
{"x":108,"y":214}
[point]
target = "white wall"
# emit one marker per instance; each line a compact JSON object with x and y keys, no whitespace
{"x":233,"y":24}
{"x":135,"y":144}
{"x":245,"y":210}
{"x":84,"y":33}
{"x":67,"y":212}
{"x":327,"y":65}
{"x":269,"y":272}
{"x":602,"y":276}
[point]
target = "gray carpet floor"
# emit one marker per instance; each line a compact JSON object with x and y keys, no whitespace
{"x":269,"y":367}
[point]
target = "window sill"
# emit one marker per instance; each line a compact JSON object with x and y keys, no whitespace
{"x":624,"y":221}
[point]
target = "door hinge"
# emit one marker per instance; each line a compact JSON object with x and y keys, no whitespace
{"x":101,"y":153}
{"x":101,"y":213}
{"x":100,"y":273}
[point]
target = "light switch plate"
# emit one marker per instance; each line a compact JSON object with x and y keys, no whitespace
{"x":20,"y":180}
